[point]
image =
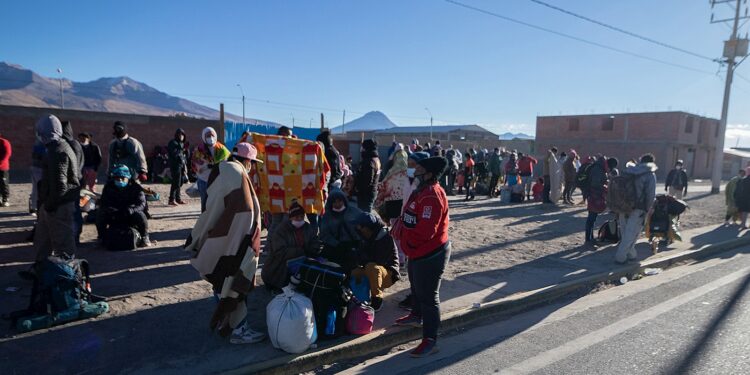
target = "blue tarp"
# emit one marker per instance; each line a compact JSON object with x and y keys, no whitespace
{"x":233,"y":131}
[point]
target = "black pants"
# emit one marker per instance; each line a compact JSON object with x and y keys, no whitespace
{"x":493,"y":184}
{"x":547,"y":189}
{"x":4,"y":185}
{"x":175,"y":193}
{"x":590,"y":221}
{"x":568,"y":191}
{"x":451,"y":180}
{"x":425,"y":275}
{"x":365,"y":202}
{"x":135,"y":220}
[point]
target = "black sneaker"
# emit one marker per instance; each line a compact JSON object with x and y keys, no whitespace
{"x":376,"y":303}
{"x":407,"y":303}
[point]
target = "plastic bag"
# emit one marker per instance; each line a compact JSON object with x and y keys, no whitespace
{"x":193,"y":191}
{"x":291,"y":322}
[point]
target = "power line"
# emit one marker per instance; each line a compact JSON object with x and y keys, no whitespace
{"x":626,"y":32}
{"x":573,"y":37}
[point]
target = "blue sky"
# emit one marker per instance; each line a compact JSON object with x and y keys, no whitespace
{"x":395,"y":56}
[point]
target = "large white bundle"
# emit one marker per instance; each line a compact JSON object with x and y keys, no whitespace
{"x":291,"y":322}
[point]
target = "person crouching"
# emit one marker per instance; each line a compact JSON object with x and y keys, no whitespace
{"x":122,"y":202}
{"x":378,"y":257}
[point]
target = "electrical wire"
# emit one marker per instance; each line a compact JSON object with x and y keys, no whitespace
{"x":573,"y":37}
{"x":626,"y":32}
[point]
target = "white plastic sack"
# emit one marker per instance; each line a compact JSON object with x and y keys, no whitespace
{"x":291,"y":322}
{"x":193,"y":191}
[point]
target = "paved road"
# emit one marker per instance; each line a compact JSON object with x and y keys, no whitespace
{"x":691,"y":319}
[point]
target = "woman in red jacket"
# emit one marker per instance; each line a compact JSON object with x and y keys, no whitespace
{"x":423,"y":232}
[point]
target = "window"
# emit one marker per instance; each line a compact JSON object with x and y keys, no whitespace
{"x":608,"y":124}
{"x":689,"y":125}
{"x":574,"y":124}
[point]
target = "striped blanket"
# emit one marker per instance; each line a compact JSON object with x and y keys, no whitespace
{"x":225,"y":243}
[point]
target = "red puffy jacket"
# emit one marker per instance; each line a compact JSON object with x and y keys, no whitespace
{"x":5,"y":152}
{"x":423,"y":227}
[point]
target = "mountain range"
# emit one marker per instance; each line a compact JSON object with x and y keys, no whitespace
{"x":374,"y":120}
{"x":510,"y":136}
{"x":23,"y":87}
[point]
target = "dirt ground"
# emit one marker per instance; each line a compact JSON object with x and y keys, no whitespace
{"x":156,"y":288}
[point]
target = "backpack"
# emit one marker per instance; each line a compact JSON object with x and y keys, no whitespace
{"x":622,"y":196}
{"x":324,"y":283}
{"x":121,"y":238}
{"x":609,"y":232}
{"x":291,"y":323}
{"x":61,"y":293}
{"x":360,"y":317}
{"x":583,"y":179}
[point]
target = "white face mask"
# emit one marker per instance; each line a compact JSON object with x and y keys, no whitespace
{"x":211,"y":140}
{"x":341,"y":209}
{"x":679,"y":167}
{"x":298,"y":223}
{"x":410,"y":172}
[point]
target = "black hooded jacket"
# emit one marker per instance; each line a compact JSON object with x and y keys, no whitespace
{"x":366,"y":182}
{"x":332,"y":156}
{"x":67,"y":133}
{"x":129,"y":199}
{"x":176,"y":152}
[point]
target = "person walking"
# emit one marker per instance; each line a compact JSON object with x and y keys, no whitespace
{"x":92,"y":159}
{"x":227,"y":256}
{"x":423,"y":234}
{"x":209,"y":153}
{"x":732,"y":211}
{"x":549,"y":166}
{"x":677,"y":181}
{"x":5,"y":153}
{"x":366,"y":180}
{"x":596,"y":193}
{"x":128,"y":151}
{"x":177,"y":166}
{"x":632,"y":223}
{"x":526,"y":164}
{"x":58,"y":196}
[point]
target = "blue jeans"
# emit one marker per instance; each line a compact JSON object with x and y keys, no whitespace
{"x":203,"y":189}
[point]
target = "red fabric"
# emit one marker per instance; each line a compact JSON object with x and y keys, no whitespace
{"x":5,"y":152}
{"x":299,"y":236}
{"x":424,"y":223}
{"x":537,"y":191}
{"x":526,"y":165}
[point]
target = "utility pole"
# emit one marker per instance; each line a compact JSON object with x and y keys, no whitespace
{"x":322,"y":122}
{"x":343,"y":123}
{"x":62,"y":98}
{"x":733,"y":48}
{"x":243,"y":103}
{"x":430,"y":112}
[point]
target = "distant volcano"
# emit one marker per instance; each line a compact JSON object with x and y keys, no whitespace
{"x":374,"y":120}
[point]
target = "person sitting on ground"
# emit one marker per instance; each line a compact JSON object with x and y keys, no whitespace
{"x":293,"y":238}
{"x":337,"y":230}
{"x":122,"y":202}
{"x":538,"y":189}
{"x":378,"y":258}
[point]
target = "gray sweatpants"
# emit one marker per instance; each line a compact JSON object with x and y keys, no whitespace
{"x":631,"y":226}
{"x":55,"y":231}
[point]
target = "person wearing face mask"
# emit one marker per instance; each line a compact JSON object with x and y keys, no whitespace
{"x":177,"y":166}
{"x":127,"y":151}
{"x":337,"y":230}
{"x":377,"y":257}
{"x":92,"y":159}
{"x":390,"y":191}
{"x":122,"y":202}
{"x":225,"y":243}
{"x":677,"y":181}
{"x":209,"y":153}
{"x":293,"y":238}
{"x":423,"y":234}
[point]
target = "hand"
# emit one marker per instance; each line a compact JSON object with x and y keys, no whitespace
{"x":143,"y":177}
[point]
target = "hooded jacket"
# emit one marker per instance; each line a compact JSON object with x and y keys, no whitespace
{"x":129,"y":199}
{"x":338,"y":227}
{"x":128,"y":151}
{"x":366,"y":182}
{"x":382,"y":251}
{"x":176,"y":152}
{"x":677,"y":179}
{"x":206,"y":157}
{"x":332,"y":157}
{"x":60,"y":182}
{"x":67,"y":134}
{"x":645,"y":184}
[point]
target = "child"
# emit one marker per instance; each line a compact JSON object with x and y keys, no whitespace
{"x":538,"y":189}
{"x":460,"y":181}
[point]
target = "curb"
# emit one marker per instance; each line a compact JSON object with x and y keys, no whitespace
{"x":392,"y":336}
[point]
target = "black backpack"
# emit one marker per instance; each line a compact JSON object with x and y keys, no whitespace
{"x":121,"y":238}
{"x":609,"y":232}
{"x":325,"y":283}
{"x":583,"y":177}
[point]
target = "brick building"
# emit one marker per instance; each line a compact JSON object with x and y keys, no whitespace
{"x":668,"y":135}
{"x":17,"y":125}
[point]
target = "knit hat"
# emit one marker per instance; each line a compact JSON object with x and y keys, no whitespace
{"x":246,"y":151}
{"x":295,"y":209}
{"x":369,"y":145}
{"x":417,"y":156}
{"x":435,"y":165}
{"x":120,"y":170}
{"x":369,"y":220}
{"x":119,"y":125}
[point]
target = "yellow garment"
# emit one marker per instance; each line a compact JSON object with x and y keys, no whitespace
{"x":292,"y":169}
{"x":377,"y":276}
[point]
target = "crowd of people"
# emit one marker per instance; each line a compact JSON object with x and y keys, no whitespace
{"x":385,"y":218}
